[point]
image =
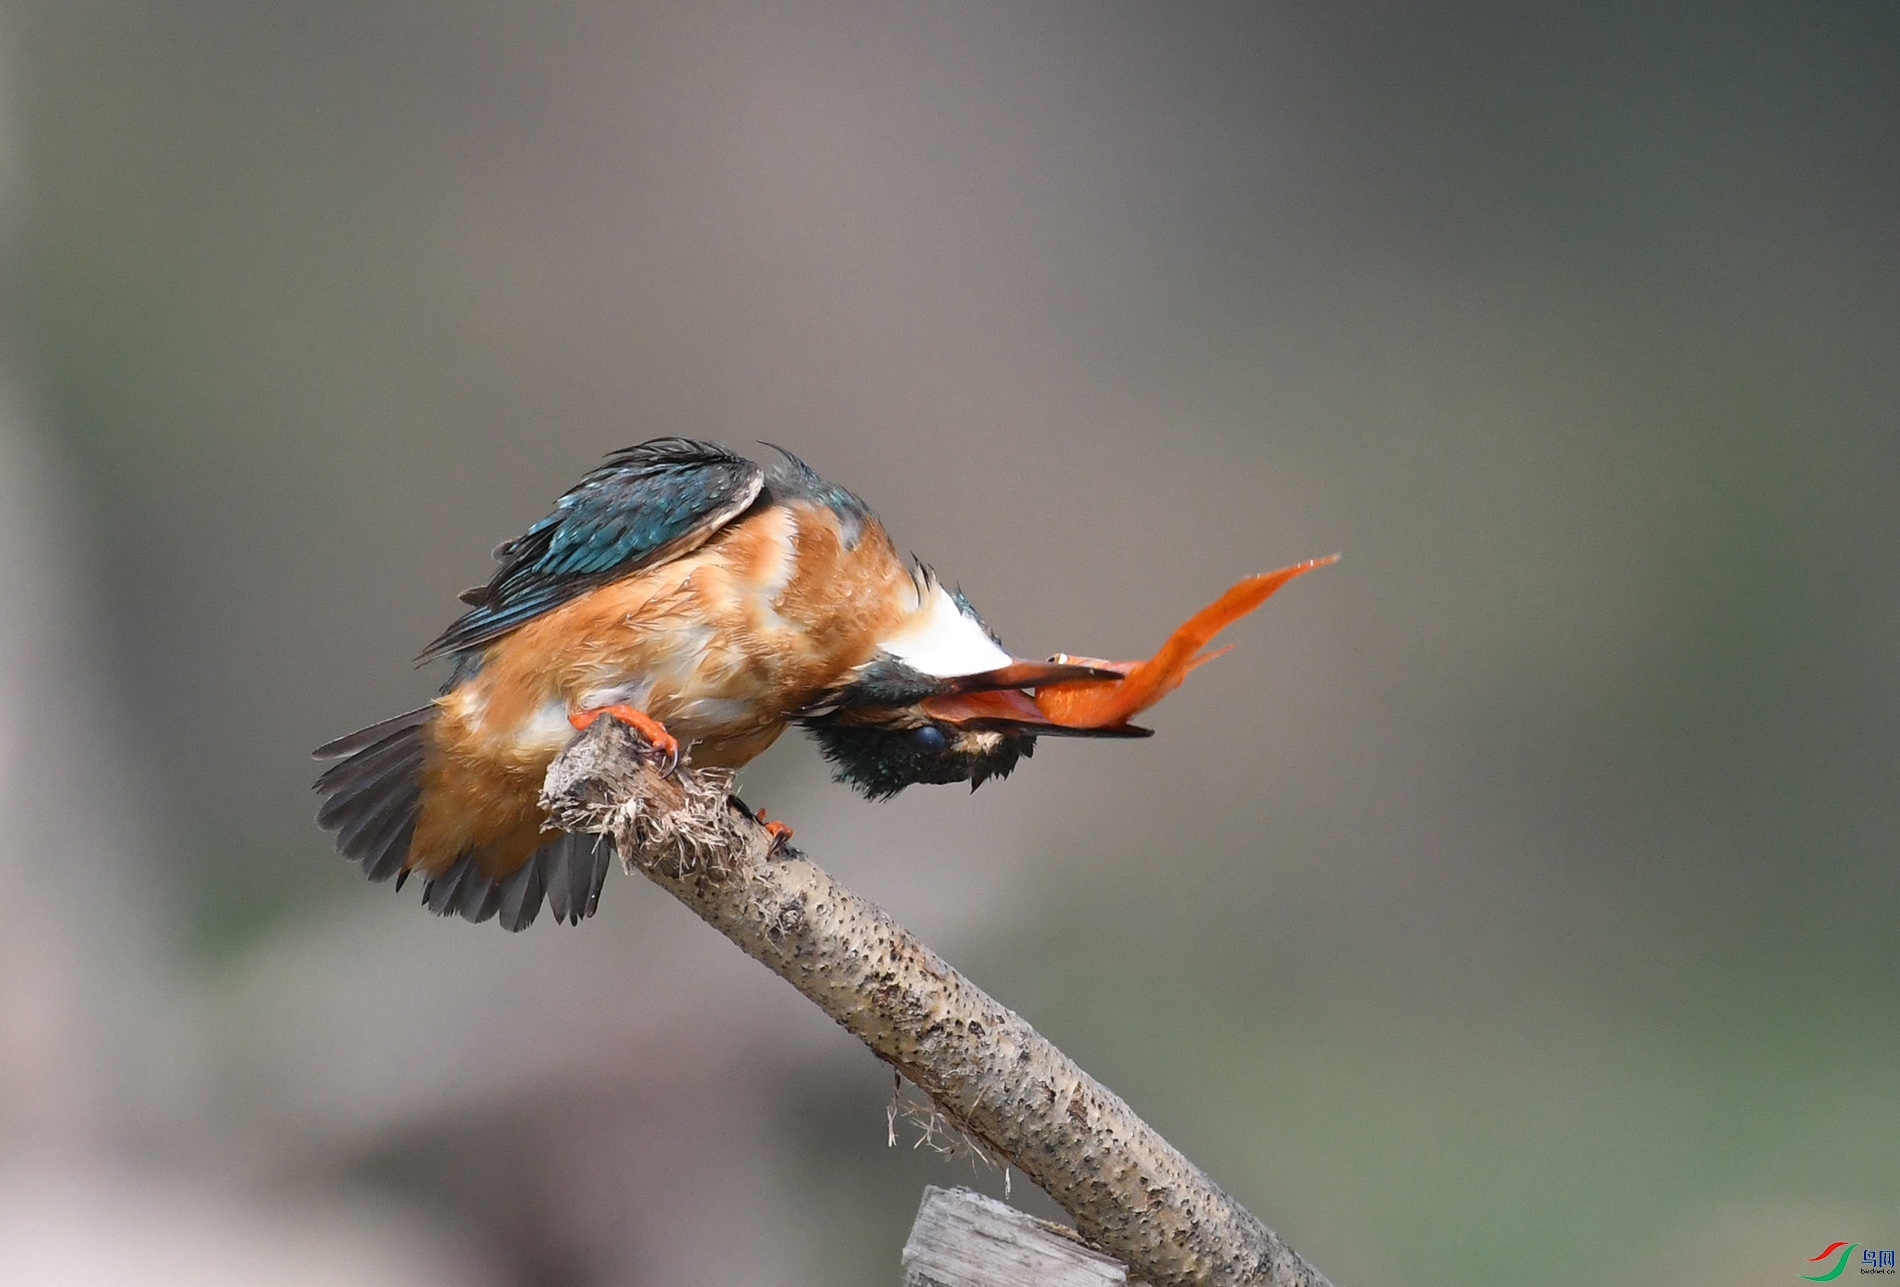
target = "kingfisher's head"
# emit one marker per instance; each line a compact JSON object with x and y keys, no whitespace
{"x":880,"y":750}
{"x":940,"y":702}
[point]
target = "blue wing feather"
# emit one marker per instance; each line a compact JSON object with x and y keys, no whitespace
{"x":646,"y":505}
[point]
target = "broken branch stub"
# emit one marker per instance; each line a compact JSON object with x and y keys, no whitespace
{"x":963,"y":1239}
{"x":1131,"y":1194}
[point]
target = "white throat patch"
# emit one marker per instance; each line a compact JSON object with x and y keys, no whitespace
{"x":940,"y":641}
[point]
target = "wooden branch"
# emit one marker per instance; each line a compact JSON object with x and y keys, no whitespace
{"x":1132,"y":1195}
{"x":963,"y":1239}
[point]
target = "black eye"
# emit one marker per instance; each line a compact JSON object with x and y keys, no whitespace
{"x":929,"y":739}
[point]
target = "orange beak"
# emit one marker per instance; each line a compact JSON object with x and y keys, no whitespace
{"x":1105,"y":704}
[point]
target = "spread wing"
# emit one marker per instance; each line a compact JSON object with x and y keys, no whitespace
{"x":647,"y":505}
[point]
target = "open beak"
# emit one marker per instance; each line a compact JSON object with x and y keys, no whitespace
{"x":1087,"y":697}
{"x":1010,"y":710}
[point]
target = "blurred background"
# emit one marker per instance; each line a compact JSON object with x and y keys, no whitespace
{"x":1516,"y":902}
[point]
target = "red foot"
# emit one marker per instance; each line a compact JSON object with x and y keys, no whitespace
{"x":641,"y":722}
{"x":779,"y":832}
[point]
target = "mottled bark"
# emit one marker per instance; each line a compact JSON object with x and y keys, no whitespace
{"x":1132,"y":1195}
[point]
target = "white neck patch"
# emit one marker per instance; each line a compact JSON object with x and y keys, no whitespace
{"x":940,"y":641}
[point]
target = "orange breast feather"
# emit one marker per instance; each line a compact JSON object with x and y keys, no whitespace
{"x":722,"y":646}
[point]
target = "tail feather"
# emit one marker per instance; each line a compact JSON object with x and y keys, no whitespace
{"x":443,"y":894}
{"x":576,"y":868}
{"x":365,"y":836}
{"x":521,"y":894}
{"x":481,"y":899}
{"x":568,"y":871}
{"x":351,"y":743}
{"x":373,"y":795}
{"x":387,"y":856}
{"x":396,"y":758}
{"x":379,"y":763}
{"x":385,"y":849}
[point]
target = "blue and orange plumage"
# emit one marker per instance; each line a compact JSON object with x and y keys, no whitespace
{"x":714,"y":602}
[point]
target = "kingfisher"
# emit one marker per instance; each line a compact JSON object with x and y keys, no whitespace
{"x":709,"y":602}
